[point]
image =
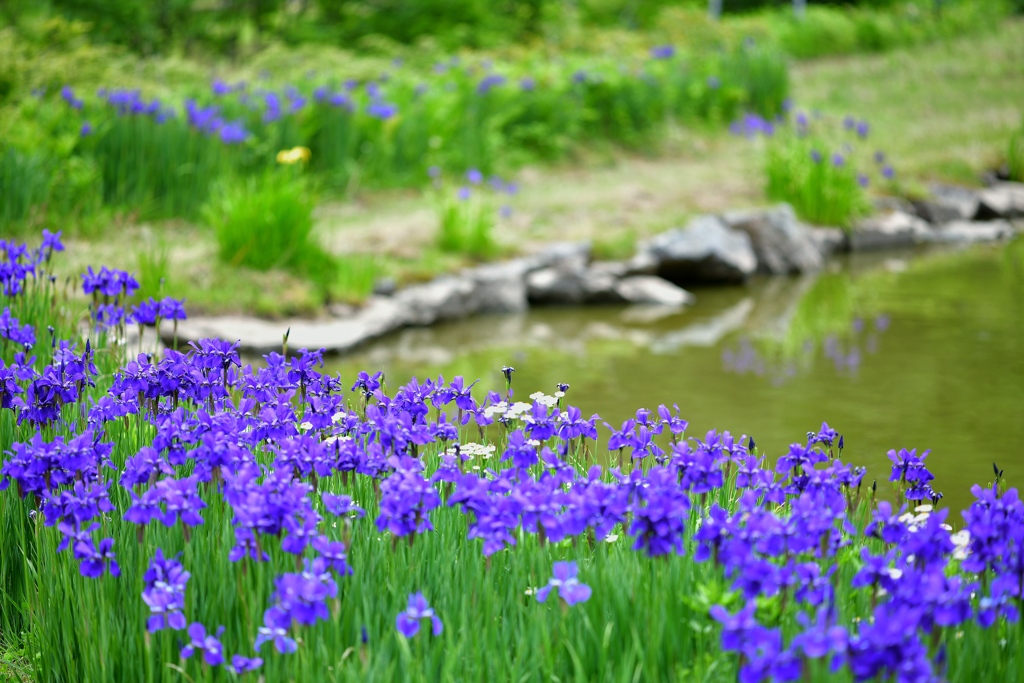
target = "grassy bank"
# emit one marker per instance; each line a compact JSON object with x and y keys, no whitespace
{"x":939,"y":112}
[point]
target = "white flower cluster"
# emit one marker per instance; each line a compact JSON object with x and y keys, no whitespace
{"x":473,"y":450}
{"x":508,"y":412}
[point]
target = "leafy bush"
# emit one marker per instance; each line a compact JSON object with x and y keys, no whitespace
{"x":822,"y":187}
{"x":265,"y":222}
{"x":467,"y":218}
{"x":819,"y":167}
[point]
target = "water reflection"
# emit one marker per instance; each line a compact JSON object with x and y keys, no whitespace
{"x":765,"y":358}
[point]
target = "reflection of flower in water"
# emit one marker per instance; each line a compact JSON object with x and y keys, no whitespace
{"x":846,"y":353}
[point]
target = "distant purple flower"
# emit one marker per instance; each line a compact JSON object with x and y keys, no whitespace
{"x":489,"y":83}
{"x":663,"y":52}
{"x":474,"y":176}
{"x":418,"y":609}
{"x":379,"y":109}
{"x":463,"y":193}
{"x":862,"y":129}
{"x":565,"y":583}
{"x":86,"y":129}
{"x":714,"y":82}
{"x":887,"y":172}
{"x":233,"y":134}
{"x":849,"y":123}
{"x":879,"y":157}
{"x":862,"y":180}
{"x":838,"y":160}
{"x":815,"y":156}
{"x":527,"y":84}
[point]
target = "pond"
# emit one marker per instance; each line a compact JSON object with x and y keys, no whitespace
{"x":899,"y":350}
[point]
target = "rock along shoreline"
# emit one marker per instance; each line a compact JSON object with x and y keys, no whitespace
{"x":711,"y":249}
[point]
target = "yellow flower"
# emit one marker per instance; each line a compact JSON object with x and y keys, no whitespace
{"x":293,"y":155}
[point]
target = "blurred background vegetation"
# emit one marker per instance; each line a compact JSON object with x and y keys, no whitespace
{"x":159,"y":120}
{"x":236,"y":27}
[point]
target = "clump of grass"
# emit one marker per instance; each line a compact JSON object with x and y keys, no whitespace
{"x":24,"y":183}
{"x":621,"y":245}
{"x":265,"y":222}
{"x":822,"y":187}
{"x":154,"y":266}
{"x":1015,"y":159}
{"x":467,"y":216}
{"x":357,"y":275}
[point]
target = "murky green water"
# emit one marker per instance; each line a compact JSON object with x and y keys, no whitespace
{"x":908,"y":350}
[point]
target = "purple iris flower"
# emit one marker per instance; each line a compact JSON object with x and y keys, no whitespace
{"x":209,"y":645}
{"x":275,"y":628}
{"x":565,"y":583}
{"x":418,"y":609}
{"x":240,"y":665}
{"x":164,"y":593}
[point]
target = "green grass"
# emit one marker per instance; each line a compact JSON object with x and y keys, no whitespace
{"x":931,"y":108}
{"x":1015,"y":155}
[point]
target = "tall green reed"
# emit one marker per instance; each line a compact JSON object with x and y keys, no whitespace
{"x":1015,"y":156}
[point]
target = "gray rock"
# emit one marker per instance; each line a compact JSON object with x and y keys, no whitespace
{"x":887,"y":204}
{"x":601,"y":282}
{"x":967,"y":232}
{"x":648,"y":289}
{"x":385,"y":286}
{"x":1002,"y":200}
{"x":781,"y":243}
{"x":889,"y":231}
{"x":830,"y":240}
{"x":501,"y":287}
{"x":554,"y":286}
{"x":566,"y":254}
{"x":446,"y":298}
{"x":947,"y":203}
{"x":706,"y":250}
{"x":569,"y":285}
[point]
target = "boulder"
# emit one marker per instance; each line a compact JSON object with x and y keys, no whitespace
{"x":566,"y":254}
{"x":652,"y":290}
{"x":706,"y":250}
{"x":889,"y":231}
{"x":829,"y":240}
{"x":968,"y":232}
{"x":571,"y":283}
{"x":947,"y":203}
{"x":446,"y":298}
{"x":1002,"y":200}
{"x":501,"y":287}
{"x":782,"y":245}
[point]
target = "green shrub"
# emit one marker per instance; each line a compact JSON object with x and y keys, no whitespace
{"x":467,"y":219}
{"x":266,"y":222}
{"x":817,"y":176}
